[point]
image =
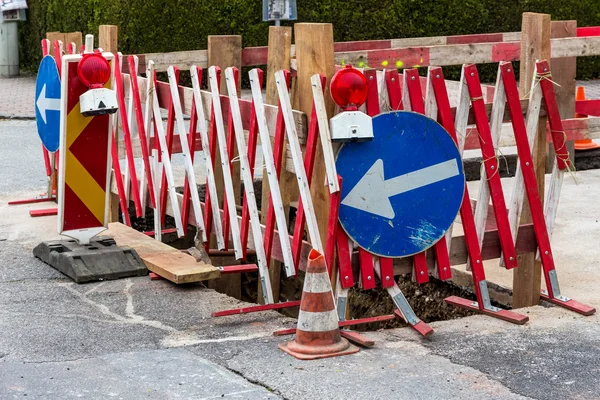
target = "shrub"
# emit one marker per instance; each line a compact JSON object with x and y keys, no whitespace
{"x":162,"y":26}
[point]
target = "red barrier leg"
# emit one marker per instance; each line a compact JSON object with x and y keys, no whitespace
{"x":309,"y":162}
{"x":252,"y":142}
{"x":169,"y":139}
{"x":208,"y":217}
{"x":483,"y":303}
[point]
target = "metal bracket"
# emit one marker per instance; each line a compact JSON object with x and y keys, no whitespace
{"x":264,"y":289}
{"x":405,"y":309}
{"x":485,"y":297}
{"x":562,"y":298}
{"x":341,"y":307}
{"x":554,"y":284}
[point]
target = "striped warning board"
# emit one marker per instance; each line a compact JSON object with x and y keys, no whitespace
{"x":84,"y":161}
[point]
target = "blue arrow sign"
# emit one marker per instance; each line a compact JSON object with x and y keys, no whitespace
{"x":47,"y":104}
{"x":402,"y":190}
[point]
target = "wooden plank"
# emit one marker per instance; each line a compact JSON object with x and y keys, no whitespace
{"x":456,"y":54}
{"x":181,"y":59}
{"x":575,"y":47}
{"x":108,"y":38}
{"x":315,"y":55}
{"x":160,"y":258}
{"x":255,"y":56}
{"x":535,"y":45}
{"x":563,"y":73}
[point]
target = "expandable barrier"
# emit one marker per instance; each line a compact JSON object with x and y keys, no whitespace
{"x":387,"y":90}
{"x":221,"y":124}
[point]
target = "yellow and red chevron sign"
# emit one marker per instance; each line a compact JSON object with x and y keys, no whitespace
{"x":84,"y":161}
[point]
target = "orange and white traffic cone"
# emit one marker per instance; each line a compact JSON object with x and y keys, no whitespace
{"x":583,"y":144}
{"x":317,"y":333}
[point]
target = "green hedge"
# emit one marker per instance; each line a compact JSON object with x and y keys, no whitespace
{"x":171,"y":25}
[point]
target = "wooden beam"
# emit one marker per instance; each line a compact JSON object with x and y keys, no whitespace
{"x":224,"y":52}
{"x":108,"y":38}
{"x":563,"y":73}
{"x":314,"y":55}
{"x":535,"y":45}
{"x":166,"y":261}
{"x":585,"y":45}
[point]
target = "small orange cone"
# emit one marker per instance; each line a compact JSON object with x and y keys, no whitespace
{"x":317,"y":333}
{"x":584,"y":144}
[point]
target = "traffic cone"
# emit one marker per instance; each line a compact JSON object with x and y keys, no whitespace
{"x":584,"y":144}
{"x":317,"y":333}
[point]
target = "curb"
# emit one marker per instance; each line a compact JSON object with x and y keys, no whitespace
{"x":18,"y":117}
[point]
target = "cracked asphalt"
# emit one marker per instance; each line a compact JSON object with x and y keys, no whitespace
{"x":141,"y":339}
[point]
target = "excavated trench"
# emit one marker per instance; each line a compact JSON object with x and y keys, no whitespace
{"x":427,"y":299}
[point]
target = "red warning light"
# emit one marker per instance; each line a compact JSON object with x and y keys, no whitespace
{"x":349,"y":88}
{"x":93,"y":70}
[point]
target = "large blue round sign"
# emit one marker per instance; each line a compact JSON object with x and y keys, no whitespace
{"x":402,"y":190}
{"x":47,"y":104}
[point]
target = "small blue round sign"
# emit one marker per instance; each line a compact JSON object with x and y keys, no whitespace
{"x":402,"y":190}
{"x":47,"y":104}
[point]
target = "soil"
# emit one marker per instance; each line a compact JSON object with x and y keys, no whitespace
{"x":427,"y":300}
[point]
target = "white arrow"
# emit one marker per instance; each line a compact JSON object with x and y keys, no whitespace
{"x":372,"y":193}
{"x":44,"y":103}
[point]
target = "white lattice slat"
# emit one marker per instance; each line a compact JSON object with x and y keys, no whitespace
{"x":166,"y":161}
{"x":207,"y":159}
{"x":294,"y":143}
{"x":483,"y":199}
{"x":323,"y":120}
{"x":225,"y":163}
{"x":185,"y":149}
{"x":269,"y":161}
{"x":515,"y":207}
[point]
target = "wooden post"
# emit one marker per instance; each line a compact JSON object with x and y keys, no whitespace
{"x":53,"y":36}
{"x":108,"y":38}
{"x":278,"y":58}
{"x":74,"y":37}
{"x":535,"y":45}
{"x":563,"y":73}
{"x":223,"y":52}
{"x":314,"y":55}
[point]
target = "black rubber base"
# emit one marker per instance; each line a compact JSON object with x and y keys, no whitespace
{"x":100,"y":260}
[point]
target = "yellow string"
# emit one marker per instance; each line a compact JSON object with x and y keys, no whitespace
{"x":537,"y":79}
{"x":569,"y":164}
{"x":497,"y":166}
